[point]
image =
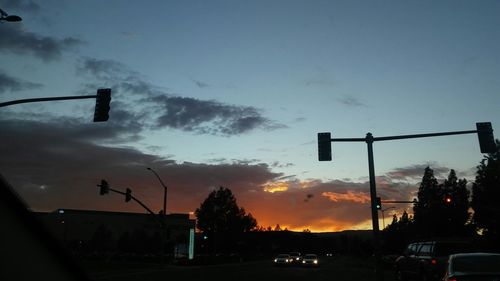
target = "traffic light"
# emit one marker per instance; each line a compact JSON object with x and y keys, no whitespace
{"x":128,"y":195}
{"x":486,"y":139}
{"x":104,"y":187}
{"x":324,"y":147}
{"x":378,"y":203}
{"x":102,"y":101}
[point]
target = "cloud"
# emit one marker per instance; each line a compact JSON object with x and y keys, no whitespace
{"x":358,"y":197}
{"x":103,"y":69}
{"x":58,"y":163}
{"x":209,"y":116}
{"x":19,"y":41}
{"x":8,"y":83}
{"x":416,"y":172}
{"x":173,"y":111}
{"x":19,"y":5}
{"x":200,"y":84}
{"x":350,"y":101}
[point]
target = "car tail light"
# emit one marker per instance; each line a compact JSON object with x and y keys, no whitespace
{"x":434,"y":261}
{"x":452,"y":279}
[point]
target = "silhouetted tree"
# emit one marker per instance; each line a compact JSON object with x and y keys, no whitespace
{"x":220,"y":218}
{"x":436,"y":217}
{"x":398,"y":234}
{"x":456,"y":211}
{"x":429,"y":206}
{"x":486,"y":195}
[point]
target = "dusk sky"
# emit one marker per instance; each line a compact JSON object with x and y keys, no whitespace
{"x":233,"y":93}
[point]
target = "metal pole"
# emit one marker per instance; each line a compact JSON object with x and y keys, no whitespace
{"x":2,"y":104}
{"x":373,"y":196}
{"x":164,"y":192}
{"x":164,"y":216}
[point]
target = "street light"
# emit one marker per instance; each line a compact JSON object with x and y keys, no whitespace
{"x":383,"y":217}
{"x":164,"y":193}
{"x":6,"y":17}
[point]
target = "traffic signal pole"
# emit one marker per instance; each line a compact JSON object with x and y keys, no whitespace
{"x":2,"y":104}
{"x":103,"y":99}
{"x":486,"y":142}
{"x":105,"y":188}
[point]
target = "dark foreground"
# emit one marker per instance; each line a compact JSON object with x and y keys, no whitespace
{"x":338,"y":269}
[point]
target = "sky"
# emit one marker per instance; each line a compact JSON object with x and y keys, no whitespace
{"x":233,"y":93}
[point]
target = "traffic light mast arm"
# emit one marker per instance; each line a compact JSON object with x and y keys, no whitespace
{"x":139,"y":202}
{"x":2,"y":104}
{"x":404,"y":136}
{"x":133,"y":198}
{"x":424,"y":135}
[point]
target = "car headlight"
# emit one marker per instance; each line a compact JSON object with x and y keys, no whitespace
{"x":303,"y":261}
{"x":275,"y":260}
{"x":315,"y":261}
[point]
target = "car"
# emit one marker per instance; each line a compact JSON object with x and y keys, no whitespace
{"x":296,"y":257}
{"x":310,"y":260}
{"x":427,"y":260}
{"x":473,"y":266}
{"x":283,"y":259}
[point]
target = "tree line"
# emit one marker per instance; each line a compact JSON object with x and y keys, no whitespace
{"x":450,"y":210}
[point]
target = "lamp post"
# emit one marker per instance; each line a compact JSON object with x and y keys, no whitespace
{"x":164,"y":193}
{"x":383,"y":217}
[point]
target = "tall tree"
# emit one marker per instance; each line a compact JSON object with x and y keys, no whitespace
{"x":220,"y":218}
{"x":429,"y":206}
{"x":486,"y":195}
{"x":457,"y":209}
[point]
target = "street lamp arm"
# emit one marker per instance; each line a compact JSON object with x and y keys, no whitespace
{"x":158,"y":177}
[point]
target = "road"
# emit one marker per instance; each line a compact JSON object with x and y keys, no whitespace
{"x":338,"y":269}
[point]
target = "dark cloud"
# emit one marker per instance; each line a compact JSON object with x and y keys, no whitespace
{"x":8,"y":83}
{"x":350,"y":101}
{"x":209,"y":116}
{"x":16,"y":40}
{"x":416,"y":172}
{"x":58,"y":164}
{"x":171,"y":111}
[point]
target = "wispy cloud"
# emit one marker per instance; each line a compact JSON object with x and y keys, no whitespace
{"x":19,"y":41}
{"x":200,"y":84}
{"x":350,"y":101}
{"x":9,"y":83}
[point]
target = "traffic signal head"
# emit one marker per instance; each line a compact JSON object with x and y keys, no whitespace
{"x":102,"y":101}
{"x":128,"y":195}
{"x":104,"y":187}
{"x":378,"y":203}
{"x":324,"y":147}
{"x":486,"y":139}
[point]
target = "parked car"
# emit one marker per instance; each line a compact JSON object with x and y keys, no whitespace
{"x":296,"y":257}
{"x":310,"y":260}
{"x":473,"y":267}
{"x":427,"y":260}
{"x":283,"y":259}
